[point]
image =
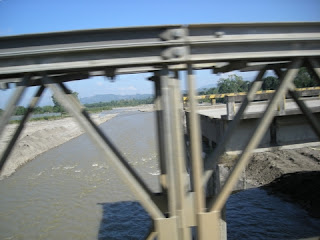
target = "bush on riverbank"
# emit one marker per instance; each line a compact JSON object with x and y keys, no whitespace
{"x":44,"y":118}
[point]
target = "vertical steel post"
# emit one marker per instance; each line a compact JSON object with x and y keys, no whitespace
{"x":17,"y":133}
{"x":168,"y":143}
{"x":179,"y":157}
{"x":159,"y":124}
{"x":196,"y":153}
{"x":231,"y":107}
{"x":11,"y":106}
{"x":166,"y":94}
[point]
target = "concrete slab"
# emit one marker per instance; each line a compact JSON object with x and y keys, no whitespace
{"x":290,"y":127}
{"x":216,"y":111}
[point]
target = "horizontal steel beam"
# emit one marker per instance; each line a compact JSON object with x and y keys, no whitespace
{"x":96,"y":50}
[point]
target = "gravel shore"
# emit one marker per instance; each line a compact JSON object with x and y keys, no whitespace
{"x":39,"y":137}
{"x":292,"y":174}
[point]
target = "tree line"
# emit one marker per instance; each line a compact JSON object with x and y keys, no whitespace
{"x":235,"y":83}
{"x":94,"y":107}
{"x":100,"y":106}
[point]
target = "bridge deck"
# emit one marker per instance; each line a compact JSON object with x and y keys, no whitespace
{"x":255,"y":109}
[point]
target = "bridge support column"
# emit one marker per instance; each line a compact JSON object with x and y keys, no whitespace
{"x":231,"y":107}
{"x":159,"y":124}
{"x":282,"y":106}
{"x":176,"y":176}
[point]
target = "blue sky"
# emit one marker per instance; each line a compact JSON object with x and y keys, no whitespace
{"x":33,"y":16}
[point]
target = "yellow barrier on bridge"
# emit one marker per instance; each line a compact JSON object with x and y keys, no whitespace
{"x":215,"y":96}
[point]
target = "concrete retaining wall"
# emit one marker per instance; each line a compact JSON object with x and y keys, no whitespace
{"x":284,"y":130}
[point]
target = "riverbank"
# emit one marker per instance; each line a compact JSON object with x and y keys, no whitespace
{"x":292,"y":174}
{"x":140,"y":108}
{"x":39,"y":137}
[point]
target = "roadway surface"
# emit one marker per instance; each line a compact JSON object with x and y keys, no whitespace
{"x":218,"y":110}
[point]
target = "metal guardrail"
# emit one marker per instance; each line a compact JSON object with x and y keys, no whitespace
{"x":48,"y":60}
{"x":314,"y":92}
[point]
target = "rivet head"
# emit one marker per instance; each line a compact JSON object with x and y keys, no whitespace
{"x":177,"y":33}
{"x":219,"y":34}
{"x":177,"y":52}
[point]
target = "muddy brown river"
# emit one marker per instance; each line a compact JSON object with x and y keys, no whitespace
{"x":71,"y":192}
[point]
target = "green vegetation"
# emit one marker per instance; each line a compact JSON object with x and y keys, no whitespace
{"x":57,"y":106}
{"x":20,"y":110}
{"x":270,"y":83}
{"x":92,"y":108}
{"x":48,"y":118}
{"x":101,"y":106}
{"x":305,"y":79}
{"x":235,"y":83}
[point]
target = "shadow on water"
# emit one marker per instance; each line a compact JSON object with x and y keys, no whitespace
{"x":285,"y":209}
{"x":251,"y":214}
{"x":124,"y":220}
{"x":302,"y":188}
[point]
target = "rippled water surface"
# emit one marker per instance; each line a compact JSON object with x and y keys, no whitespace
{"x":254,"y":214}
{"x":72,"y":192}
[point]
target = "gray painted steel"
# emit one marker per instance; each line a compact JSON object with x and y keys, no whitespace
{"x":111,"y":49}
{"x":49,"y":59}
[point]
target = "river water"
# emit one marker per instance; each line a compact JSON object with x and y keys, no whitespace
{"x":71,"y":192}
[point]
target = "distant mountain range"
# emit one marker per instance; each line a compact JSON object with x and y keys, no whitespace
{"x":112,"y":97}
{"x":207,"y":87}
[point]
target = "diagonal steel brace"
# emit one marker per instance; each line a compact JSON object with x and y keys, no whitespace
{"x":17,"y":133}
{"x":127,"y":174}
{"x":214,"y":157}
{"x":310,"y":117}
{"x":255,"y":139}
{"x":4,"y":119}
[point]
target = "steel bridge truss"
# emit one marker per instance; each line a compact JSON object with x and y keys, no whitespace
{"x":182,"y":210}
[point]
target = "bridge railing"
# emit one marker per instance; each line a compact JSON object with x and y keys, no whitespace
{"x":230,"y":99}
{"x":259,"y":95}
